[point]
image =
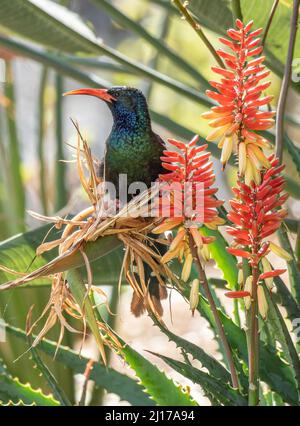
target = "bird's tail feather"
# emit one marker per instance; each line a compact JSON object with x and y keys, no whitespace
{"x":154,"y":297}
{"x":156,"y":292}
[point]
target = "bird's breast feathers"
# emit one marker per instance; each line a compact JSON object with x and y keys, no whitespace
{"x":138,"y":157}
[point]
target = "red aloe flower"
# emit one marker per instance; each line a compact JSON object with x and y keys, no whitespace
{"x":187,"y":186}
{"x":256,"y":214}
{"x":239,"y":95}
{"x":187,"y":200}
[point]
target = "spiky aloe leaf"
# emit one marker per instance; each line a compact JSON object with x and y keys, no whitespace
{"x":294,"y":151}
{"x":214,"y":367}
{"x":225,"y":261}
{"x":111,"y":380}
{"x":57,"y":390}
{"x":293,"y":269}
{"x":286,"y":299}
{"x":219,"y":391}
{"x":18,"y":254}
{"x":161,"y":389}
{"x":276,"y":373}
{"x":13,"y":392}
{"x":282,"y":335}
{"x":18,"y":404}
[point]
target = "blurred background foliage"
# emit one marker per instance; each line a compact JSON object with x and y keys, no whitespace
{"x":49,"y":47}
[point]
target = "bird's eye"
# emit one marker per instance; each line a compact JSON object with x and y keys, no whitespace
{"x":129,"y":102}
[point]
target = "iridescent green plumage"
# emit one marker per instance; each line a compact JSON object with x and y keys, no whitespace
{"x":132,"y":148}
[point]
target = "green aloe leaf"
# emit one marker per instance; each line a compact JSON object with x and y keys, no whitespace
{"x":293,"y":269}
{"x":161,"y":389}
{"x":218,"y":390}
{"x":18,"y":253}
{"x":57,"y":390}
{"x":12,"y":391}
{"x":49,"y":23}
{"x":282,"y":335}
{"x":214,"y":367}
{"x":224,"y":260}
{"x":294,"y":151}
{"x":276,"y":373}
{"x":286,"y":299}
{"x":111,"y":380}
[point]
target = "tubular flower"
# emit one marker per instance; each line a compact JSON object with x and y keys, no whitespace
{"x":187,"y":201}
{"x":256,"y":214}
{"x":239,"y":95}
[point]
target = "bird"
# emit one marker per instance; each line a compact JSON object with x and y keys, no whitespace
{"x":134,"y":149}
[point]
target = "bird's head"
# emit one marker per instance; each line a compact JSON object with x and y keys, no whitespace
{"x":127,"y":104}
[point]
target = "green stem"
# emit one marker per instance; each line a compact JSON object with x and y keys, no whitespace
{"x":15,"y":161}
{"x":60,"y":181}
{"x":41,"y":134}
{"x":254,"y":343}
{"x":197,"y":28}
{"x":219,"y":325}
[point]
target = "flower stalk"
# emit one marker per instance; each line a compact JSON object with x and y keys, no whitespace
{"x":182,"y":7}
{"x":254,"y":343}
{"x":191,"y":176}
{"x":219,"y":325}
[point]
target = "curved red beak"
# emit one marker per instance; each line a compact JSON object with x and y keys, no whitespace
{"x":98,"y":93}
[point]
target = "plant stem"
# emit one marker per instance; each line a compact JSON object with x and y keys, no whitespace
{"x":204,"y":282}
{"x":188,"y":17}
{"x":41,"y":134}
{"x":271,"y":16}
{"x":15,"y":160}
{"x":286,"y":81}
{"x":60,"y":180}
{"x":254,"y":343}
{"x":236,"y":10}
